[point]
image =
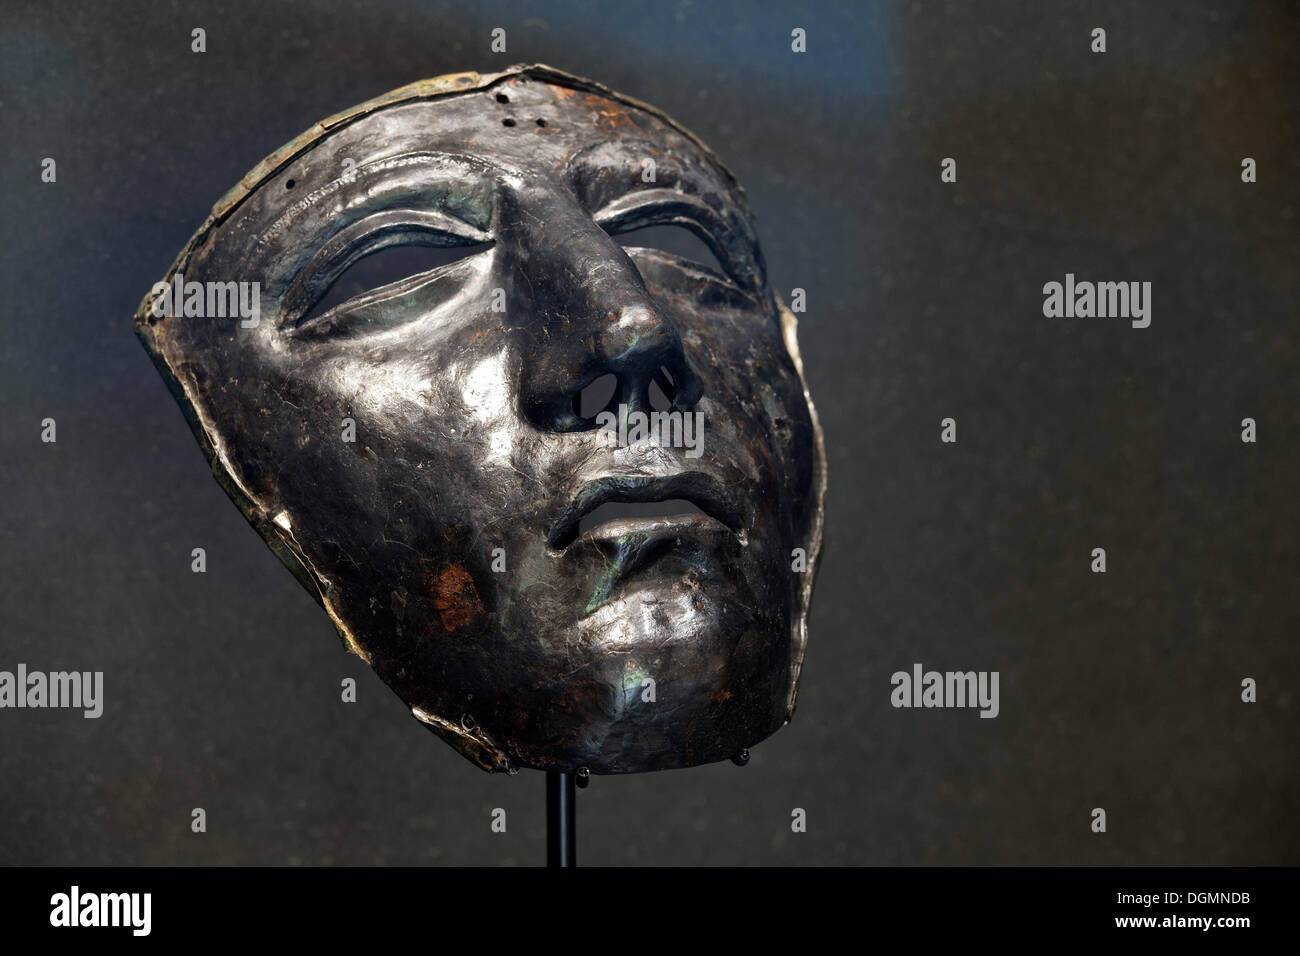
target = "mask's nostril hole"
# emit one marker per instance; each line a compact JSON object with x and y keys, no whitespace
{"x":663,"y":388}
{"x":289,"y":184}
{"x":659,"y":400}
{"x":596,"y":397}
{"x":502,"y":98}
{"x":540,"y":121}
{"x":507,"y":122}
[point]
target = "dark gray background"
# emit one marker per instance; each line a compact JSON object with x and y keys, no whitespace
{"x":1118,"y":690}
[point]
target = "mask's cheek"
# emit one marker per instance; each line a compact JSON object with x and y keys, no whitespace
{"x":388,"y":503}
{"x":396,"y":474}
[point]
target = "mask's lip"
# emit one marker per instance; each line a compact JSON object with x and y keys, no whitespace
{"x":702,"y":490}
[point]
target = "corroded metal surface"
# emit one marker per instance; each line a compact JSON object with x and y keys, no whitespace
{"x":418,"y":455}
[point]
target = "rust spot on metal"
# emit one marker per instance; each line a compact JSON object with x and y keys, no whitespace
{"x":455,"y":598}
{"x":610,"y":115}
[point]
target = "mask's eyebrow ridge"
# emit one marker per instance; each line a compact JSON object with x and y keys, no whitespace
{"x":624,"y":210}
{"x":448,"y":169}
{"x":587,"y":161}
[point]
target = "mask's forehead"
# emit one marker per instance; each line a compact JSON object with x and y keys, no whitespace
{"x":518,"y":131}
{"x":467,"y":163}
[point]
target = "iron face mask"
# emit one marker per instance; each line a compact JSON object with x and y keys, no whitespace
{"x":455,"y":461}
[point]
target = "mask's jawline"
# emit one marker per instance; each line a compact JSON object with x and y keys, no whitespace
{"x":476,"y":747}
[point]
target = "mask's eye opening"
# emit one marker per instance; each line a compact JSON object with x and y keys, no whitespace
{"x":386,"y":266}
{"x":675,"y":240}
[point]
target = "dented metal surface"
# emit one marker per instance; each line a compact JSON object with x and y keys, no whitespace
{"x":447,"y":541}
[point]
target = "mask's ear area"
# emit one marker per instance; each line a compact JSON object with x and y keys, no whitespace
{"x":184,"y":384}
{"x":817,"y":519}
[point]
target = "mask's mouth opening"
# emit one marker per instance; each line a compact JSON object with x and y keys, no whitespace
{"x":692,"y":497}
{"x":637,"y":510}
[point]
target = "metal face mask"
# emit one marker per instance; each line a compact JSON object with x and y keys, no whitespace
{"x":463,"y":463}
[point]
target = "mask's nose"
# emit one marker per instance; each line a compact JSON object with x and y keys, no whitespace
{"x":589,"y":316}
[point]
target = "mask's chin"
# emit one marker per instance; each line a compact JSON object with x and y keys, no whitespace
{"x":646,"y":642}
{"x":682,"y":660}
{"x":666,"y":676}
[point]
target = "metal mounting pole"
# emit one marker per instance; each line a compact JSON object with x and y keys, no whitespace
{"x":561,"y":826}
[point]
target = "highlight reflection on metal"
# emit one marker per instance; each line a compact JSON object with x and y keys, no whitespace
{"x":419,"y":454}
